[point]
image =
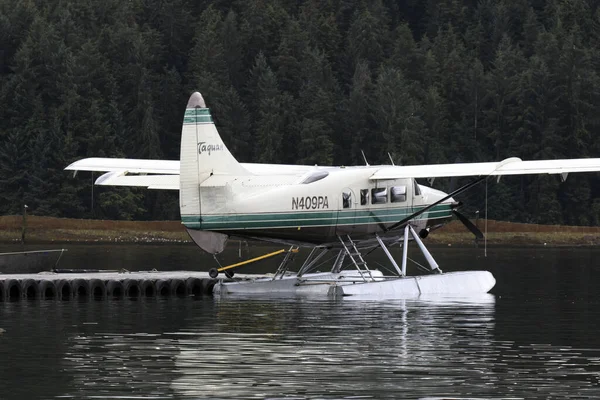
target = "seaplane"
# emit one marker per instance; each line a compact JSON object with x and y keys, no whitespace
{"x":346,"y":211}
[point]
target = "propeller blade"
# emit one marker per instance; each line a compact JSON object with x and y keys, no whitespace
{"x":470,"y":226}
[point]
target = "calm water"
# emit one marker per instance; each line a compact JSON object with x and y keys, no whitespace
{"x":536,"y":336}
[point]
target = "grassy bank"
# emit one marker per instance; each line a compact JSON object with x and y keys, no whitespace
{"x":49,"y":230}
{"x":510,"y":233}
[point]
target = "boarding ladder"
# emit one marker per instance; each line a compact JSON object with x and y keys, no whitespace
{"x":283,"y":266}
{"x":356,"y":257}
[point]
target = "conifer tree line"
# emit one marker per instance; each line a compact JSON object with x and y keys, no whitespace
{"x":300,"y":82}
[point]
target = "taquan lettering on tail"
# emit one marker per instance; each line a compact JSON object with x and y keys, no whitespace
{"x":209,"y":148}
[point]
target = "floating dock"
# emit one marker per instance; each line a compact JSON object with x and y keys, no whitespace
{"x":66,"y":284}
{"x":107,"y":285}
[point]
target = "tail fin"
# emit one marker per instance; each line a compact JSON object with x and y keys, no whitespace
{"x":202,"y":148}
{"x":203,"y":154}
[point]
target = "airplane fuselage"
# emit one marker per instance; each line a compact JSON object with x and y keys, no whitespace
{"x":313,"y":207}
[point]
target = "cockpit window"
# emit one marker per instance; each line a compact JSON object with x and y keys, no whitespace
{"x":315,"y":176}
{"x":417,"y":189}
{"x":378,"y":195}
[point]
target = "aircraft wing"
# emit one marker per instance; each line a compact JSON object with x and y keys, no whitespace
{"x":510,"y":166}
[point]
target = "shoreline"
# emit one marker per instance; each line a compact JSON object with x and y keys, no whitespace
{"x":47,"y":230}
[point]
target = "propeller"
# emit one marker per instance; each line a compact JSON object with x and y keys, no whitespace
{"x":470,"y":226}
{"x":466,"y":222}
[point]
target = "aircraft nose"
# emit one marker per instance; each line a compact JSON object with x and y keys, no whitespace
{"x":451,"y":200}
{"x":454,"y":204}
{"x":196,"y":100}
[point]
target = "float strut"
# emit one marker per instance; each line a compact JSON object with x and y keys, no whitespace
{"x":430,"y":260}
{"x":387,"y":253}
{"x":405,"y":250}
{"x":311,"y":260}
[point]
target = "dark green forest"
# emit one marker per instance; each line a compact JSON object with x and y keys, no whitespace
{"x":299,"y":81}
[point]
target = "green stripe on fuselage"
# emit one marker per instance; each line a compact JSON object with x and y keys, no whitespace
{"x":313,"y":218}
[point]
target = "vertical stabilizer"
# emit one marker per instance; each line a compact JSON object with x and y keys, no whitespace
{"x":202,"y":145}
{"x":203,"y":154}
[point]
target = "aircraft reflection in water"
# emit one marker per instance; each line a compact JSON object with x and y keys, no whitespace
{"x":347,"y":210}
{"x":281,"y":347}
{"x":292,"y":347}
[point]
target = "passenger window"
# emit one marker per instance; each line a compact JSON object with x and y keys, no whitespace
{"x":378,"y":195}
{"x":364,"y":197}
{"x":347,"y":199}
{"x":398,"y":194}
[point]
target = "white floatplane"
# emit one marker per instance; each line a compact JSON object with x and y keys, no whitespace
{"x":348,"y":210}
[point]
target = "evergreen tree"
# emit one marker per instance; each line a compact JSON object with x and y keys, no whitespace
{"x":315,"y":146}
{"x":287,"y":62}
{"x":317,"y":104}
{"x":233,"y":121}
{"x":271,"y":106}
{"x":357,"y":115}
{"x":15,"y":159}
{"x":171,"y":102}
{"x":208,"y":66}
{"x":261,"y":25}
{"x":435,"y":120}
{"x":232,"y":48}
{"x":367,"y":41}
{"x":500,"y":110}
{"x":397,"y":118}
{"x":405,"y":54}
{"x":318,"y":20}
{"x":442,"y":13}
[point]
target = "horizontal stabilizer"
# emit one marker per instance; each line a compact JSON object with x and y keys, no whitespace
{"x":134,"y":166}
{"x":121,"y":178}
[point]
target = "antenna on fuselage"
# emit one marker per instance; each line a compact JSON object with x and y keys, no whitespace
{"x":364,"y":158}
{"x":391,"y":159}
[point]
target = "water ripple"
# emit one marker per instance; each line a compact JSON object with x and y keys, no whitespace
{"x":302,"y":349}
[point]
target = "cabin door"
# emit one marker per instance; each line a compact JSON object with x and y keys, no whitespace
{"x":346,"y":218}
